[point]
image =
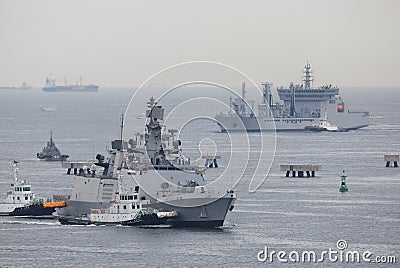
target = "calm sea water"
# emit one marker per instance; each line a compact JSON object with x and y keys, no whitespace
{"x":285,"y":214}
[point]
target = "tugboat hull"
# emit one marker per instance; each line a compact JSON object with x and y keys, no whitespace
{"x":32,"y":210}
{"x":149,"y":219}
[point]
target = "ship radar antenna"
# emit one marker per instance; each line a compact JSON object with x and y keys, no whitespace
{"x":308,"y":78}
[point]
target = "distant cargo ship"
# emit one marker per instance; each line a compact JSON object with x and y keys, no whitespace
{"x":23,"y":86}
{"x":51,"y":86}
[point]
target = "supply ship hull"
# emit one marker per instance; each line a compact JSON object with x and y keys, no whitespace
{"x":253,"y":124}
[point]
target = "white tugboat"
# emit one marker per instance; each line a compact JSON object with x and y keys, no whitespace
{"x":323,"y":125}
{"x":125,"y":209}
{"x":21,"y":201}
{"x":302,"y":107}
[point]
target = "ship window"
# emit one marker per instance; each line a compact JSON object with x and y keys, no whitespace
{"x":130,"y":197}
{"x":137,"y":206}
{"x":26,"y":198}
{"x":136,"y":189}
{"x":26,"y":188}
{"x":17,"y":197}
{"x":124,"y":207}
{"x":135,"y":197}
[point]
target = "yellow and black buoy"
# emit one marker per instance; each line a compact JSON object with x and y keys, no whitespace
{"x":343,"y":187}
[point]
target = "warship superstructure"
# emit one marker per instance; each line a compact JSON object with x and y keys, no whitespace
{"x":159,"y":174}
{"x":303,"y":106}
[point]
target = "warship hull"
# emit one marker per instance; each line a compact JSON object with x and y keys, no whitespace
{"x":212,"y":214}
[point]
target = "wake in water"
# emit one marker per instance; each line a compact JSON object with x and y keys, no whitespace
{"x":30,"y":221}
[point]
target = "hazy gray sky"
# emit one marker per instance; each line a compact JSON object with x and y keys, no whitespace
{"x":121,"y":43}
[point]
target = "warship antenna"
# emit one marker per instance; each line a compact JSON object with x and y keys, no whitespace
{"x":51,"y":137}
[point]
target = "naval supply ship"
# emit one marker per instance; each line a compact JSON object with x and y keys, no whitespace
{"x":51,"y":86}
{"x":181,"y":189}
{"x":303,"y":107}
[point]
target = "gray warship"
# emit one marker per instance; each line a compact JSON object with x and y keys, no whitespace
{"x":51,"y":152}
{"x":155,"y":172}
